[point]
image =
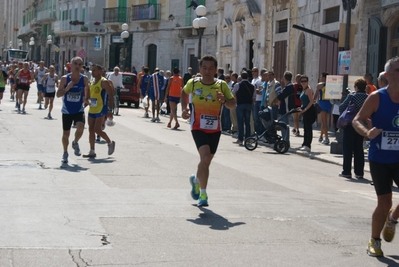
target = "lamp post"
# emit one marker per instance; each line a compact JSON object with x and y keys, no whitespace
{"x":49,"y":43}
{"x":125,"y":36}
{"x":31,"y":44}
{"x":200,"y":23}
{"x":19,"y":44}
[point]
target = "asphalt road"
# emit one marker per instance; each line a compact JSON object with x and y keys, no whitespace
{"x":134,"y":208}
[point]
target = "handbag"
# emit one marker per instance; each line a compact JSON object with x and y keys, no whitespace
{"x":347,"y":116}
{"x":317,"y":108}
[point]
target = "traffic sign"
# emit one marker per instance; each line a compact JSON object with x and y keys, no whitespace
{"x":82,"y":53}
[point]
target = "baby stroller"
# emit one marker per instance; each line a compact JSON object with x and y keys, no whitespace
{"x":270,"y":134}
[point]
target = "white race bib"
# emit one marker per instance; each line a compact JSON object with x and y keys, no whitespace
{"x":73,"y":97}
{"x":208,"y":122}
{"x":93,"y":102}
{"x":390,"y":140}
{"x":24,"y":80}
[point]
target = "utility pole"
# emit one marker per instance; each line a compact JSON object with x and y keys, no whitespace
{"x":348,"y":5}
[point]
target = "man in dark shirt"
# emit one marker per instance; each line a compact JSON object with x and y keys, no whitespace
{"x":287,"y":102}
{"x":188,"y":75}
{"x":244,"y":93}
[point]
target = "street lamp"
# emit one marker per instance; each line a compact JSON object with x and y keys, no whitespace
{"x":49,"y":43}
{"x":31,"y":44}
{"x":125,"y":36}
{"x":200,"y":23}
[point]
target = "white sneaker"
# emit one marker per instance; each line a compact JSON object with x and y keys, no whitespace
{"x":305,"y":148}
{"x":326,"y":141}
{"x":111,"y":148}
{"x":76,"y":148}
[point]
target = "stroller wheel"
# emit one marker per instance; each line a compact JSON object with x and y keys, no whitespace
{"x":281,"y":146}
{"x":251,"y":143}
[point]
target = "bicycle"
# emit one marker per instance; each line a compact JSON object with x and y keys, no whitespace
{"x":115,"y":110}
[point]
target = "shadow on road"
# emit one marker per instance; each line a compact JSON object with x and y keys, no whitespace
{"x":215,"y":221}
{"x":389,"y":260}
{"x":72,"y":168}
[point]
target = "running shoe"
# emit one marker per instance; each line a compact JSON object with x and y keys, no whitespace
{"x":23,"y":111}
{"x":146,"y":115}
{"x":64,"y":157}
{"x":305,"y":148}
{"x":98,"y":139}
{"x":297,"y":133}
{"x":40,"y":107}
{"x":76,"y":148}
{"x":157,"y":119}
{"x":321,"y":139}
{"x":195,"y":188}
{"x":49,"y":116}
{"x":374,"y":248}
{"x":203,"y":200}
{"x":111,"y":148}
{"x":389,"y":229}
{"x":294,"y":131}
{"x":169,"y":125}
{"x":153,"y":119}
{"x":326,"y":141}
{"x":91,"y":154}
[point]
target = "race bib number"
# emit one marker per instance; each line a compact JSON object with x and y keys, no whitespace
{"x":93,"y":102}
{"x":390,"y":140}
{"x":73,"y":97}
{"x":50,"y":89}
{"x":24,"y":80}
{"x":208,"y":122}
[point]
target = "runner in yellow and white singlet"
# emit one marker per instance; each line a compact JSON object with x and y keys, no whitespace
{"x":100,"y":95}
{"x":206,"y":95}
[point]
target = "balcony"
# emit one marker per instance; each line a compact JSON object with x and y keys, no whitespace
{"x":47,"y":15}
{"x":146,"y":12}
{"x":89,"y":28}
{"x":25,"y":31}
{"x":146,"y":15}
{"x":63,"y":27}
{"x":115,"y":15}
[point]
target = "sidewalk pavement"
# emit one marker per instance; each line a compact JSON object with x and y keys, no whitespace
{"x":321,"y":152}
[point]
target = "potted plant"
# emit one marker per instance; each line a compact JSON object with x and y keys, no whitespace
{"x":16,"y":29}
{"x":84,"y":29}
{"x":97,"y":23}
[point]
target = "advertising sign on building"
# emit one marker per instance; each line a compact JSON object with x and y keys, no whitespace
{"x":117,"y":39}
{"x":344,"y":62}
{"x":97,"y":43}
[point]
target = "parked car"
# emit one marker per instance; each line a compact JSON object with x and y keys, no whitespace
{"x":129,"y":94}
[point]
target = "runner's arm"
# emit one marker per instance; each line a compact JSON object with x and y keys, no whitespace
{"x":369,"y":107}
{"x":62,"y":89}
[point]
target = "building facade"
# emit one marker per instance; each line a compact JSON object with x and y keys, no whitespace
{"x":241,"y":33}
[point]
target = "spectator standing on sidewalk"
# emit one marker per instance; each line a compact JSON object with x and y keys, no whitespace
{"x":308,"y":111}
{"x":287,"y":102}
{"x":352,"y":141}
{"x":382,"y":107}
{"x":233,"y":113}
{"x":370,"y":86}
{"x":274,"y":89}
{"x":297,"y":95}
{"x":325,"y":104}
{"x":244,"y":92}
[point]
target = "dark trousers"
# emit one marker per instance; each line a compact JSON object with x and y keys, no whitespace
{"x":226,"y":121}
{"x":243,"y":117}
{"x":257,"y":122}
{"x":352,"y":144}
{"x":308,"y":120}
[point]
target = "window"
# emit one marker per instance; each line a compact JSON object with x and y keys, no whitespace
{"x":331,"y":15}
{"x":282,"y":26}
{"x":83,"y":14}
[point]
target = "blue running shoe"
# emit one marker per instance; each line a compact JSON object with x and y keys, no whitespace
{"x":195,"y":188}
{"x":203,"y":200}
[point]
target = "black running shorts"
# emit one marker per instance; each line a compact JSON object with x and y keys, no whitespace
{"x":68,"y":119}
{"x":210,"y":139}
{"x":383,"y":175}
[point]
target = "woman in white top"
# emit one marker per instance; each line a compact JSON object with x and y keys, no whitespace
{"x":50,"y":82}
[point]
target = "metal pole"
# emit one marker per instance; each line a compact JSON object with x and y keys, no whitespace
{"x":200,"y":33}
{"x":347,"y":46}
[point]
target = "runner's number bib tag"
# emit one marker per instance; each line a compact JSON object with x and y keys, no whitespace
{"x":209,"y":122}
{"x":390,"y":140}
{"x":93,"y":102}
{"x":24,"y":80}
{"x":73,"y":97}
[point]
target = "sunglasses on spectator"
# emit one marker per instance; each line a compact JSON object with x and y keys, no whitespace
{"x":304,"y":81}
